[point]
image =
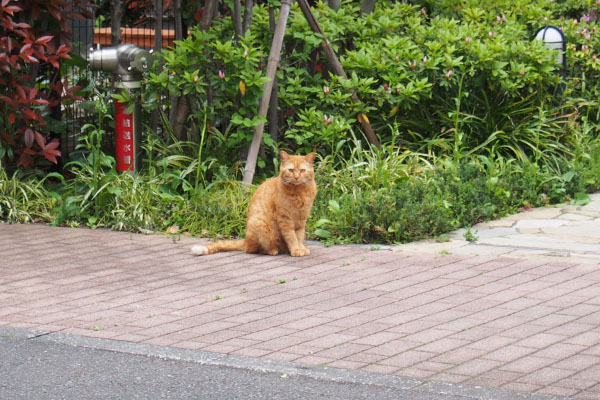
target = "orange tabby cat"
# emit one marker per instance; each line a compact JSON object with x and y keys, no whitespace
{"x":277,"y":213}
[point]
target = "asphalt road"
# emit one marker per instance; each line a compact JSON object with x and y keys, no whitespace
{"x":41,"y":366}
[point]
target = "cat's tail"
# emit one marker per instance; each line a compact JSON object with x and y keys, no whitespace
{"x":221,"y":245}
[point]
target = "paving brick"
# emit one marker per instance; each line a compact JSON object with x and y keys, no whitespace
{"x":400,"y":319}
{"x":581,"y":309}
{"x":314,"y":360}
{"x":412,"y":326}
{"x":381,"y":369}
{"x":527,"y":365}
{"x":521,"y":387}
{"x":557,"y":391}
{"x":364,"y":357}
{"x":463,"y":296}
{"x":523,"y":330}
{"x":241,"y":318}
{"x":341,"y":312}
{"x":377,"y":339}
{"x":392,"y":347}
{"x":458,"y":356}
{"x":589,"y":373}
{"x":577,"y":362}
{"x":546,"y":376}
{"x":432,"y":366}
{"x":268,"y":334}
{"x":360,"y":325}
{"x":442,"y":345}
{"x":279,"y":343}
{"x":431,"y":335}
{"x":588,"y":339}
{"x":540,"y":340}
{"x":474,"y":333}
{"x":330,"y":340}
{"x":560,"y":351}
{"x":305,"y":323}
{"x":460,"y":325}
{"x":495,"y":377}
{"x":553,"y":320}
{"x":509,"y":353}
{"x":318,"y":331}
{"x":346,"y":364}
{"x":414,"y":372}
{"x":448,"y":377}
{"x":576,"y":384}
{"x":491,"y":343}
{"x":523,"y":324}
{"x":342,"y":351}
{"x":588,"y":395}
{"x":407,"y":358}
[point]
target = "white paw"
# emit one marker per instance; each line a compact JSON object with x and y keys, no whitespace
{"x":200,"y":250}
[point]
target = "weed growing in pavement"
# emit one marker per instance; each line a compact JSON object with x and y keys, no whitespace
{"x":469,"y":235}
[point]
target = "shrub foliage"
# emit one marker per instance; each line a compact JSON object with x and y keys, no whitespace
{"x":34,"y":38}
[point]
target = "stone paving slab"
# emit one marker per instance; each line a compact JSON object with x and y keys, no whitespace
{"x":524,"y":324}
{"x":562,"y":232}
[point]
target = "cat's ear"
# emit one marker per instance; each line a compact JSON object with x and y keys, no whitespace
{"x":310,"y":157}
{"x":283,"y":155}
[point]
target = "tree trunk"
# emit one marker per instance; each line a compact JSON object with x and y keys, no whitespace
{"x":337,"y":67}
{"x":178,"y":116}
{"x":178,"y":20}
{"x":367,"y":6}
{"x":237,"y":17}
{"x":264,"y":103}
{"x":117,"y":10}
{"x":210,"y":6}
{"x":247,"y":16}
{"x":158,"y":20}
{"x":158,"y":12}
{"x":273,"y":116}
{"x":334,"y":4}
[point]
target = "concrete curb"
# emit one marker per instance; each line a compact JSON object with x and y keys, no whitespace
{"x":279,"y":367}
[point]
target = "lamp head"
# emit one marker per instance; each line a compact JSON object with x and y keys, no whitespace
{"x":125,"y":59}
{"x":553,"y":38}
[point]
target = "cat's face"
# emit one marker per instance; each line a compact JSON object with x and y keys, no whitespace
{"x":297,"y":170}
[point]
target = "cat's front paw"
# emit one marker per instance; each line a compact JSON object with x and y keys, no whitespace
{"x":200,"y":250}
{"x":302,"y":251}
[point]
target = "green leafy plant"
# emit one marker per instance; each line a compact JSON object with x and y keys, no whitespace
{"x":31,"y":85}
{"x":470,"y":236}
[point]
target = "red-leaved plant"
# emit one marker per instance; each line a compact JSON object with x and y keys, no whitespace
{"x":34,"y":37}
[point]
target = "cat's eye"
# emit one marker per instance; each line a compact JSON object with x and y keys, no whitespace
{"x":291,"y":170}
{"x":302,"y":171}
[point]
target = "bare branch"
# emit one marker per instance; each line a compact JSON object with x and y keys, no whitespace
{"x":264,"y":102}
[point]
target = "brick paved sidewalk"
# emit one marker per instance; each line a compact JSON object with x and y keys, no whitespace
{"x":529,"y":325}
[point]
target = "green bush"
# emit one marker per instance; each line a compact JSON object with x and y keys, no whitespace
{"x":440,"y":76}
{"x":450,"y":194}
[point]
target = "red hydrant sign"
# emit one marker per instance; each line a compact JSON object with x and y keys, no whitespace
{"x":125,"y":149}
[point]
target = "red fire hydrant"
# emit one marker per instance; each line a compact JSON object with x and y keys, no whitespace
{"x":127,"y":63}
